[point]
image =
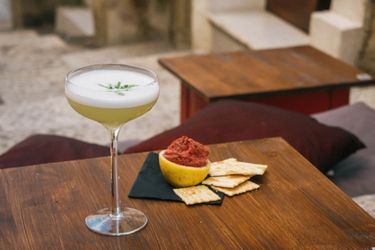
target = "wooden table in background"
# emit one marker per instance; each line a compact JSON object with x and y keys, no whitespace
{"x":44,"y":207}
{"x":302,"y":79}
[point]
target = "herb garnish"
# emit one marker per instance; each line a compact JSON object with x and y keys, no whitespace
{"x":118,"y":88}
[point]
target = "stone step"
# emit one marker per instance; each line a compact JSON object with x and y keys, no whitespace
{"x":258,"y":29}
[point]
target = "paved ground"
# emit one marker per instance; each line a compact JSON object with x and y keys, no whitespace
{"x":32,"y":71}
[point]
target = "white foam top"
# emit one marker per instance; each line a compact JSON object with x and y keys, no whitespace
{"x":86,"y":88}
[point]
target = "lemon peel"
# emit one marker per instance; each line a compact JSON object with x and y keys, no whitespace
{"x":179,"y":175}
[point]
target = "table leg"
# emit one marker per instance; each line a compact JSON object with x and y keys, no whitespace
{"x":191,"y":103}
{"x":339,"y":97}
{"x":184,"y":104}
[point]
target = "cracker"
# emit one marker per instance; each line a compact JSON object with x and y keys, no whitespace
{"x":231,"y":166}
{"x":196,"y":194}
{"x":228,"y":181}
{"x":242,"y":188}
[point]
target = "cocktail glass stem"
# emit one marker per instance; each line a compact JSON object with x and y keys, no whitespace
{"x":116,"y":206}
{"x":116,"y":220}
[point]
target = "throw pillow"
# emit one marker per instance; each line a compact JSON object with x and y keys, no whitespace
{"x":357,"y":118}
{"x":225,"y":121}
{"x":355,"y":175}
{"x":38,"y":149}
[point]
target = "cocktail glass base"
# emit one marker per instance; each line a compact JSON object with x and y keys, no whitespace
{"x":129,"y":221}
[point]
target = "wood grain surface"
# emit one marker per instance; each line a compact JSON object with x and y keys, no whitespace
{"x":263,"y":72}
{"x":44,"y":206}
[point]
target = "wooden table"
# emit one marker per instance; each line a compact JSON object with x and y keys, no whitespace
{"x":302,"y":79}
{"x":44,"y":206}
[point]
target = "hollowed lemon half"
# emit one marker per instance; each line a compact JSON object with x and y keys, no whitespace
{"x":182,"y":176}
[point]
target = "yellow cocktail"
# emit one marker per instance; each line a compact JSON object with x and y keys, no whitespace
{"x":112,"y":95}
{"x":110,"y":117}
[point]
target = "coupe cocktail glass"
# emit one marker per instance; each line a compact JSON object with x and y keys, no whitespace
{"x":113,"y":94}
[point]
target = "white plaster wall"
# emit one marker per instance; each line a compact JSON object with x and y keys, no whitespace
{"x":339,"y":31}
{"x":352,"y":9}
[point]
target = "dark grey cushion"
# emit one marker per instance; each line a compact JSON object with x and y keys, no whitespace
{"x":358,"y":118}
{"x":355,"y":175}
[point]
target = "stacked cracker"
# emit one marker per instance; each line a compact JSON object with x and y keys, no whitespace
{"x":229,"y":176}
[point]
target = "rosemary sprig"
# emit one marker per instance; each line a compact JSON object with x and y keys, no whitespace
{"x":118,"y":88}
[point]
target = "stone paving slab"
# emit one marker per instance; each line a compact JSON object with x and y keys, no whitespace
{"x":32,"y":85}
{"x":367,"y":202}
{"x":17,"y":37}
{"x":31,"y":53}
{"x":363,"y":94}
{"x":32,"y":72}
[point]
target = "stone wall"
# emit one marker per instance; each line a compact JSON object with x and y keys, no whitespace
{"x":34,"y":13}
{"x":121,"y":21}
{"x":4,"y":10}
{"x":366,"y":59}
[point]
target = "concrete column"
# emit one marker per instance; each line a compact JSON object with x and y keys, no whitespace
{"x":339,"y":32}
{"x":201,"y":32}
{"x":99,"y":12}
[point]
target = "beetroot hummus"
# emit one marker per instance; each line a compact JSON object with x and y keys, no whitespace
{"x":185,"y":151}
